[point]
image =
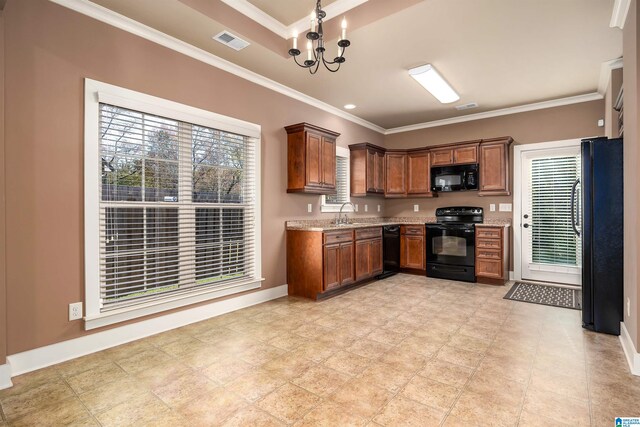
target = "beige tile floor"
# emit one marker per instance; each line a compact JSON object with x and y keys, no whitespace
{"x":404,"y":351}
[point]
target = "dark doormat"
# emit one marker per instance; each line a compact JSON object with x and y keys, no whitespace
{"x":546,"y":295}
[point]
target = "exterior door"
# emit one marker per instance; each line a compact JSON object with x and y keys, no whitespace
{"x":550,"y":249}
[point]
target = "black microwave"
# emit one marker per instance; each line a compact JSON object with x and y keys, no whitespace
{"x":454,"y":178}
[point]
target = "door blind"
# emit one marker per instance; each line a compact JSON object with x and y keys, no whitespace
{"x":342,"y":183}
{"x":553,"y":238}
{"x":176,"y":207}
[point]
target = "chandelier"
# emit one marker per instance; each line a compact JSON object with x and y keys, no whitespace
{"x":316,"y":50}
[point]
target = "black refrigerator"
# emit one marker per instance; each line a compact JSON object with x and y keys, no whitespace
{"x":601,"y":232}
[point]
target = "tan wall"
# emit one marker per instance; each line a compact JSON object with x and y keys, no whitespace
{"x":552,"y":124}
{"x":50,"y":50}
{"x":3,"y":289}
{"x":632,"y":178}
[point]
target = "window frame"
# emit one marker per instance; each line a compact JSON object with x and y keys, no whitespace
{"x":333,"y":208}
{"x":98,"y":92}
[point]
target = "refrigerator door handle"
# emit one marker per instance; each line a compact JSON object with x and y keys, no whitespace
{"x":575,"y":220}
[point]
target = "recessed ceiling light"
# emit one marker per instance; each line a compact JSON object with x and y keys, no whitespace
{"x":349,"y":107}
{"x":432,"y":81}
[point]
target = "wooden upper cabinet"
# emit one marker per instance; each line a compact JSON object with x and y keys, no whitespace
{"x":395,"y":174}
{"x":494,"y":167}
{"x":442,"y":157}
{"x":311,"y":159}
{"x":465,"y":155}
{"x":419,"y":174}
{"x":367,"y":170}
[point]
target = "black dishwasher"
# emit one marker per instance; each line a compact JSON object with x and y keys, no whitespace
{"x":390,"y":250}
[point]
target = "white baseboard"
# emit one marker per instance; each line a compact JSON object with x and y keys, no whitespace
{"x":42,"y":357}
{"x":633,"y":357}
{"x":512,"y":275}
{"x":5,"y":376}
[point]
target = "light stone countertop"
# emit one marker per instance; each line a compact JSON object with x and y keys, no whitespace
{"x":329,"y":225}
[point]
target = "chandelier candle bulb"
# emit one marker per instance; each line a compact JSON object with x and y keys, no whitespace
{"x":344,"y":29}
{"x":295,"y":40}
{"x":309,"y":47}
{"x":313,"y":21}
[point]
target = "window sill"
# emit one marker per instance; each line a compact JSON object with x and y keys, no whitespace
{"x":168,"y":303}
{"x":335,"y":209}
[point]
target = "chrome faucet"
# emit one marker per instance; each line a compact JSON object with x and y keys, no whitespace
{"x":339,"y":219}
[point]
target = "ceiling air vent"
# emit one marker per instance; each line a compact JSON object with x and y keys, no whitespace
{"x":228,"y":39}
{"x":467,"y":106}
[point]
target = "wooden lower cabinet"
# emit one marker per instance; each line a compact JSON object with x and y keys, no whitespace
{"x":492,"y":255}
{"x":412,"y":247}
{"x":368,"y":258}
{"x":319,"y":262}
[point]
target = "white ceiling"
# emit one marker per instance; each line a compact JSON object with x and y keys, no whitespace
{"x":498,"y":53}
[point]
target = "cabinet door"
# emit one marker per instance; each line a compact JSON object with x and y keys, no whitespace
{"x":395,"y":174}
{"x":465,"y":155}
{"x":328,"y":162}
{"x":347,"y":268}
{"x":489,"y":268}
{"x":418,"y":169}
{"x":363,"y":257}
{"x":371,"y":171}
{"x":379,"y":173}
{"x":376,"y":256}
{"x":331,"y":263}
{"x":442,"y":157}
{"x":314,"y":159}
{"x":494,"y":169}
{"x":412,"y":252}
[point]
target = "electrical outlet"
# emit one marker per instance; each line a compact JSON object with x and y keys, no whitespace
{"x":601,"y":123}
{"x":628,"y":307}
{"x":378,"y":208}
{"x":492,"y":207}
{"x":309,"y":208}
{"x":505,"y":207}
{"x":366,"y":208}
{"x":356,"y":207}
{"x":75,"y":311}
{"x":416,"y":208}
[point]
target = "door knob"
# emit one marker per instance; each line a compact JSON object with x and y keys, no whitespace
{"x":525,"y":225}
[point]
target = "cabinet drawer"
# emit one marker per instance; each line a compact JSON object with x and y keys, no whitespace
{"x":368,"y":233}
{"x":414,"y":230}
{"x":489,"y":253}
{"x":338,"y":237}
{"x":489,"y":244}
{"x":489,"y":268}
{"x":489,"y":232}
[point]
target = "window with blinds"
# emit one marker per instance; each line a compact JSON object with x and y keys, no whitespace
{"x":176,"y":207}
{"x":342,"y":184}
{"x":553,"y":238}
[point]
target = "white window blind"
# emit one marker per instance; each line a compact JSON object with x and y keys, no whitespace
{"x":342,"y":183}
{"x":176,"y":207}
{"x":553,"y":238}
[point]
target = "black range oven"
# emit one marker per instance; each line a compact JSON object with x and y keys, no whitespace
{"x":451,"y":243}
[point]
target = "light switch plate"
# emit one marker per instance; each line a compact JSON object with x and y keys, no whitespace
{"x":309,"y":208}
{"x":356,"y":207}
{"x":366,"y":208}
{"x":378,"y":208}
{"x":416,"y":208}
{"x":492,"y":207}
{"x":505,"y":207}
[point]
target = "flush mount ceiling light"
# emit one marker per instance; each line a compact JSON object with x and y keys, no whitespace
{"x":349,"y":106}
{"x":432,"y":81}
{"x":316,"y":50}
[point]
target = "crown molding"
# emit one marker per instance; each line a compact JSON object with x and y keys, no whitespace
{"x":253,"y":12}
{"x":501,"y":112}
{"x":605,"y":73}
{"x":114,"y":19}
{"x":619,"y":15}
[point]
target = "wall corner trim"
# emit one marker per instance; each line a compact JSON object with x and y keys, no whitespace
{"x":42,"y":357}
{"x":619,"y":14}
{"x":5,"y":376}
{"x":633,"y":357}
{"x":129,"y":25}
